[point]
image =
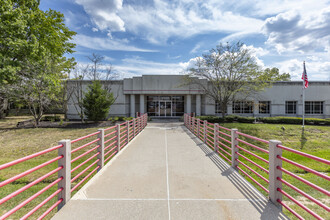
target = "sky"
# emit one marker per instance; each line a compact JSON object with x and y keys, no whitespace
{"x":139,"y":37}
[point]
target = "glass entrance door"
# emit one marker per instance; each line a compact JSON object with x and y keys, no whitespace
{"x":165,"y":108}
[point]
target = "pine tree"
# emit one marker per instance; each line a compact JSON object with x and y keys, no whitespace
{"x":97,"y":102}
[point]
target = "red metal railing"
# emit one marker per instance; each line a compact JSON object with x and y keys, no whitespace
{"x":93,"y":154}
{"x":241,"y":151}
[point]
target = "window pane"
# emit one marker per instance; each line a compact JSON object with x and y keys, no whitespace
{"x":264,"y":107}
{"x":314,"y":107}
{"x":290,"y":107}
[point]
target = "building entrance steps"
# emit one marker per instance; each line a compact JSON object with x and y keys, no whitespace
{"x":167,"y":173}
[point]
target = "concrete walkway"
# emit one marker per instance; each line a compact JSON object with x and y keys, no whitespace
{"x":167,"y":173}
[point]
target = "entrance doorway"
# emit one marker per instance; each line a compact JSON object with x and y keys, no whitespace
{"x":165,"y":108}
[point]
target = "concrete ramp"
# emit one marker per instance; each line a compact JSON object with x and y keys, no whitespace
{"x":167,"y":173}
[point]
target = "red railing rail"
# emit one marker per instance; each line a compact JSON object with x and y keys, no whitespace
{"x":105,"y":144}
{"x":261,"y":162}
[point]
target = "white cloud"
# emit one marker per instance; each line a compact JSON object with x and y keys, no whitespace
{"x":190,"y":64}
{"x":97,"y":43}
{"x":162,"y":20}
{"x":95,"y":29}
{"x":196,"y":48}
{"x":317,"y":69}
{"x":137,"y":67}
{"x":75,"y":20}
{"x":294,"y":31}
{"x":104,"y":13}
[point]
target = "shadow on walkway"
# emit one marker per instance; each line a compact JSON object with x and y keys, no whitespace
{"x":265,"y":207}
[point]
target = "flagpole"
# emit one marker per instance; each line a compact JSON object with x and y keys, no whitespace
{"x":303,"y":97}
{"x":303,"y":107}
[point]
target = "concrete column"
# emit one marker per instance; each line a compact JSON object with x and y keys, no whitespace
{"x":100,"y":149}
{"x":274,"y":162}
{"x":142,"y":104}
{"x":188,"y":110}
{"x":229,"y":109}
{"x":255,"y":108}
{"x":198,"y":105}
{"x":234,"y":149}
{"x":65,"y":183}
{"x":132,"y":104}
{"x":216,"y":137}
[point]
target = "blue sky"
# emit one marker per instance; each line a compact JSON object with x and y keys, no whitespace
{"x":164,"y":37}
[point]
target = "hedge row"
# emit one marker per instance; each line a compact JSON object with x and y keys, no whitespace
{"x":269,"y":120}
{"x":119,"y":118}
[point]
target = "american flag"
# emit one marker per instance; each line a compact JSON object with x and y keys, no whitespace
{"x":304,"y":77}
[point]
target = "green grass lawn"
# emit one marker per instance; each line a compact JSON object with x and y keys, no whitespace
{"x":314,"y":140}
{"x":17,"y":143}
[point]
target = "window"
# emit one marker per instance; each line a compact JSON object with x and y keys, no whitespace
{"x":264,"y":107}
{"x":315,"y":107}
{"x":218,"y":109}
{"x":177,"y":105}
{"x":243,"y":107}
{"x":291,"y":107}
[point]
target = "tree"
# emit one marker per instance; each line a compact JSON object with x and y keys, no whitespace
{"x":97,"y":102}
{"x":98,"y":71}
{"x":76,"y":87}
{"x":94,"y":71}
{"x":27,"y":35}
{"x":231,"y":70}
{"x":32,"y":48}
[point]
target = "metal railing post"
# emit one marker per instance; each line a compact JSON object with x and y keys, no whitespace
{"x":216,"y":137}
{"x":118,"y":137}
{"x":134,"y":125}
{"x":65,"y":183}
{"x":139,"y":124}
{"x":127,"y":124}
{"x":205,"y":130}
{"x":198,"y":125}
{"x":100,"y":149}
{"x":234,"y":149}
{"x":189,"y":122}
{"x":193,"y":125}
{"x":274,"y":173}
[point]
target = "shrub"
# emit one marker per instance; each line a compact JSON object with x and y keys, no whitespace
{"x":51,"y":118}
{"x":269,"y":120}
{"x":211,"y":119}
{"x":294,"y":120}
{"x":119,"y":118}
{"x":97,"y":102}
{"x":127,"y":118}
{"x":245,"y":119}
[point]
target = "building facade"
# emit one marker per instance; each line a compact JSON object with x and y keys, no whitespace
{"x":168,"y":96}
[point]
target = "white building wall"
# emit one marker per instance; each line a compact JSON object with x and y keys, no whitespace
{"x":278,"y":94}
{"x":119,"y":108}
